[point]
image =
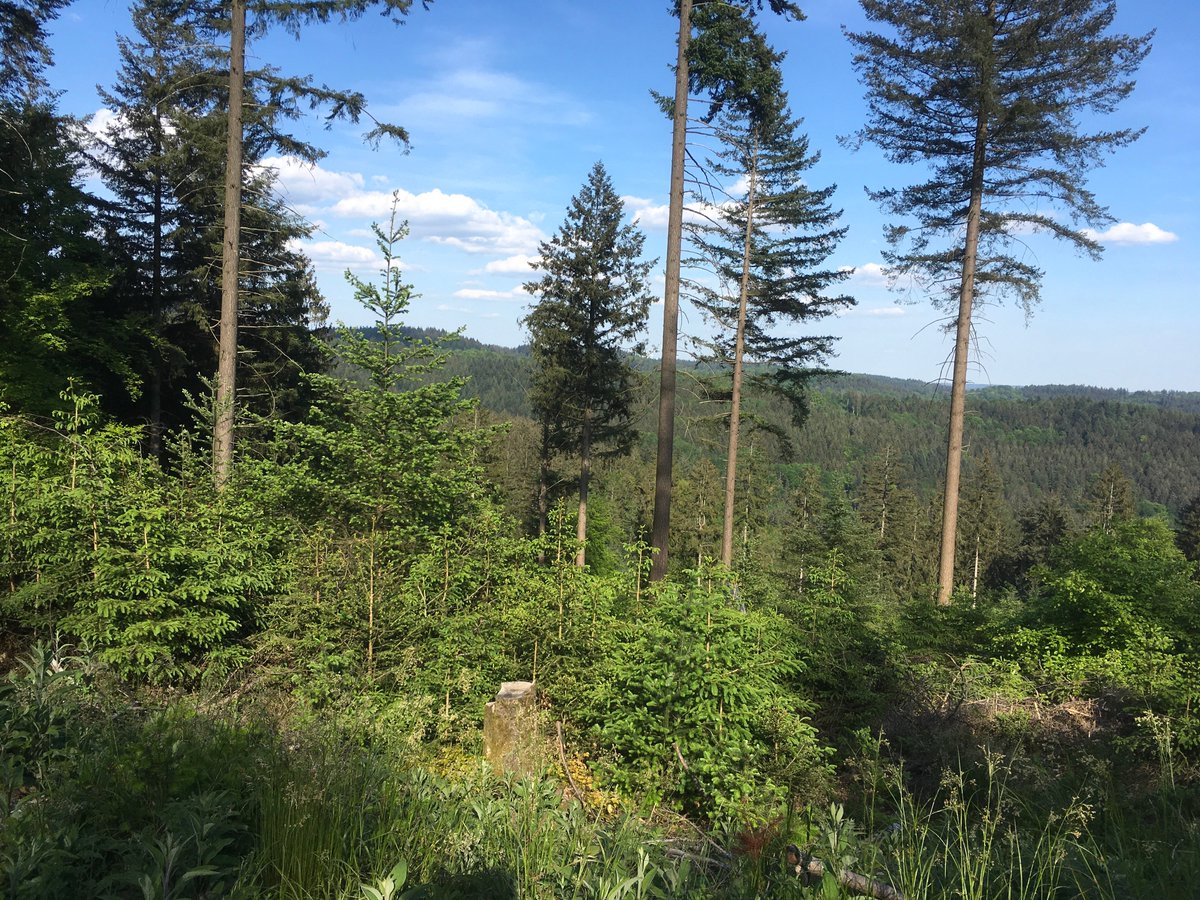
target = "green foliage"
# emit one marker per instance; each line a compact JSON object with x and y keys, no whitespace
{"x":976,"y":837}
{"x":114,"y":803}
{"x":1126,"y":587}
{"x":379,"y":473}
{"x":990,"y":96}
{"x":60,"y":316}
{"x":590,"y":315}
{"x":155,"y":574}
{"x":767,"y":244}
{"x":1117,"y":610}
{"x":1187,"y":535}
{"x":700,"y":706}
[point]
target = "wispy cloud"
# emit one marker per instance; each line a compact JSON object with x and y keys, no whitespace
{"x":474,"y":95}
{"x":877,"y":311}
{"x":1129,"y":233}
{"x":516,"y":293}
{"x":517,"y":264}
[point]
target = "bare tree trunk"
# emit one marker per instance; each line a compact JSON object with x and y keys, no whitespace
{"x":958,"y":388}
{"x":585,"y":479}
{"x":883,"y":492}
{"x":739,"y":346}
{"x":156,"y":291}
{"x":661,"y":528}
{"x":975,"y":574}
{"x":230,"y":253}
{"x":543,"y":495}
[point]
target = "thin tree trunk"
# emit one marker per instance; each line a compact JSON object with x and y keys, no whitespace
{"x":230,"y":253}
{"x":739,"y":345}
{"x":975,"y":574}
{"x":156,"y":290}
{"x":543,"y":495}
{"x":661,"y":529}
{"x":371,"y":611}
{"x":585,"y":479}
{"x":958,"y":388}
{"x":883,"y":492}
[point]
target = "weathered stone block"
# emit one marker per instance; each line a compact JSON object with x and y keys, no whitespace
{"x":510,"y":730}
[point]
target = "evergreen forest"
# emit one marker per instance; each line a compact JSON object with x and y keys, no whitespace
{"x":260,"y":575}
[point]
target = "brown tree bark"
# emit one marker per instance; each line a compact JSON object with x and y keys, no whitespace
{"x":958,"y":386}
{"x":739,"y":346}
{"x":230,"y":254}
{"x":660,"y":531}
{"x":585,"y":480}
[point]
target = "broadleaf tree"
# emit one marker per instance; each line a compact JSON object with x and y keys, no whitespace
{"x":988,"y":97}
{"x":591,"y":309}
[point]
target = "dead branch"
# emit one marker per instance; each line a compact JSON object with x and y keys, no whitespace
{"x":809,"y":867}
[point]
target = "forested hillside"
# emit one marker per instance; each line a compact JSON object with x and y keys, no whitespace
{"x":1041,"y":440}
{"x":328,"y":613}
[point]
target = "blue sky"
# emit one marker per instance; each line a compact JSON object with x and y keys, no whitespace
{"x":510,"y":102}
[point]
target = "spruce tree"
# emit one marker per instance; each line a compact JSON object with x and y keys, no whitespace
{"x":766,"y":245}
{"x":715,"y":68}
{"x":26,"y":53}
{"x":60,"y":318}
{"x":985,"y":517}
{"x":163,"y":86}
{"x":1187,"y":533}
{"x":987,"y":95}
{"x":1110,"y":499}
{"x":589,"y":317}
{"x":283,"y":92}
{"x":163,"y":160}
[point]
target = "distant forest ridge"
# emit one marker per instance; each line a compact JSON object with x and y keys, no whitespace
{"x":1041,"y":439}
{"x":847,"y":382}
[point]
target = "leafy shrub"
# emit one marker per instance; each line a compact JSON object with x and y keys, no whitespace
{"x":700,"y":710}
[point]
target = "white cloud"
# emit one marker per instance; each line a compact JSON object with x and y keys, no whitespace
{"x":337,"y":253}
{"x":646,"y":213}
{"x":1128,"y":233}
{"x":868,"y":275}
{"x":517,"y":264}
{"x":517,"y":293}
{"x":740,"y":187}
{"x":302,"y":182}
{"x":651,"y":215}
{"x":104,"y":119}
{"x":454,"y":220}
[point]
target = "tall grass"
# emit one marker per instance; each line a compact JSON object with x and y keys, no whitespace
{"x":172,"y":803}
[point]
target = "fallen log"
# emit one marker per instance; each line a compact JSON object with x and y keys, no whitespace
{"x":809,"y":867}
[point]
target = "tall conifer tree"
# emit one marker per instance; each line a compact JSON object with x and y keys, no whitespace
{"x":766,"y":244}
{"x":988,"y":94}
{"x":712,"y":66}
{"x":162,"y":157}
{"x":590,"y":314}
{"x":341,"y":104}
